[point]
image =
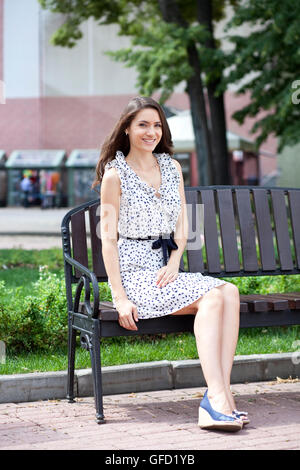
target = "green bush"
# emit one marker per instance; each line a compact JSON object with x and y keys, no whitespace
{"x":266,"y":284}
{"x":35,"y":321}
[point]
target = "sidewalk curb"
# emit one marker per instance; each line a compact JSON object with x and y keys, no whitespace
{"x":143,"y":377}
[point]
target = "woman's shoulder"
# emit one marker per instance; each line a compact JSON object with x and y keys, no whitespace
{"x":176,"y":163}
{"x":117,"y":162}
{"x":110,"y":184}
{"x":111,"y":174}
{"x":110,"y":164}
{"x":169,"y":159}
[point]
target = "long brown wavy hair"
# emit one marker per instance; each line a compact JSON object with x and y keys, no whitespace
{"x":118,"y":140}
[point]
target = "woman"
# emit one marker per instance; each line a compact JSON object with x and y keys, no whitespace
{"x":142,"y":200}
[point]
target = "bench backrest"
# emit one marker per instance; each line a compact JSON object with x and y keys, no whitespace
{"x":247,"y":231}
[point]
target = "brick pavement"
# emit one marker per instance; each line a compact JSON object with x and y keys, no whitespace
{"x":157,"y":420}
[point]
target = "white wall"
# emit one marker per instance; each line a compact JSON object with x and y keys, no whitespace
{"x":33,"y":67}
{"x":84,"y":69}
{"x":21,"y":48}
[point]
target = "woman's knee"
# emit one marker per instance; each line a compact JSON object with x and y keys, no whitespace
{"x":230,"y":290}
{"x":214,"y":297}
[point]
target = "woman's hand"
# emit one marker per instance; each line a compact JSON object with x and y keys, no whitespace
{"x":167,"y":274}
{"x":128,"y":314}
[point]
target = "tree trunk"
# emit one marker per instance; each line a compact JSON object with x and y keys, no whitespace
{"x":221,"y":172}
{"x":199,"y":119}
{"x":171,"y":14}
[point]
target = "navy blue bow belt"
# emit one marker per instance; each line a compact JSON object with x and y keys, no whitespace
{"x":166,"y":242}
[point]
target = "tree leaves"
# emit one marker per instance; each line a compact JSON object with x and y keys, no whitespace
{"x":160,"y":57}
{"x":271,"y":53}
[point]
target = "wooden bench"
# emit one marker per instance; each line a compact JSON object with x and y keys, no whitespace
{"x":248,"y":231}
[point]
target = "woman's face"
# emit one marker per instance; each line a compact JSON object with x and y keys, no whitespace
{"x":145,"y":131}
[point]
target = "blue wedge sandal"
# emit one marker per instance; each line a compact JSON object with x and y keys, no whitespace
{"x":211,"y":419}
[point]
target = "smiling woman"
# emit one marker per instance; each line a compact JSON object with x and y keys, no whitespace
{"x":144,"y":232}
{"x":145,"y":132}
{"x":119,"y":138}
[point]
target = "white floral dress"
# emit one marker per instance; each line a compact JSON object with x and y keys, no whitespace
{"x":142,"y":214}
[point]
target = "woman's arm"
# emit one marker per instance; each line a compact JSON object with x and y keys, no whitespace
{"x":181,"y":230}
{"x":170,"y":272}
{"x":109,"y":216}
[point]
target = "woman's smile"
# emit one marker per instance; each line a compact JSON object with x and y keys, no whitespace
{"x":149,"y":141}
{"x":145,"y":131}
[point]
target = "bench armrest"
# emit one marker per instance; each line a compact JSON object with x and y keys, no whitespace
{"x":87,"y":278}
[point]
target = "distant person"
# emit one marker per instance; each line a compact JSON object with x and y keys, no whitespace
{"x":48,"y":185}
{"x":26,"y":187}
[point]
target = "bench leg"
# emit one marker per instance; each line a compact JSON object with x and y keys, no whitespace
{"x":96,"y":370}
{"x":71,"y":362}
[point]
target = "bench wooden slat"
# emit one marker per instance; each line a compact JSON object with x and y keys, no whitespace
{"x":96,"y":245}
{"x":194,"y":252}
{"x":255,"y":303}
{"x":282,"y":230}
{"x":294,"y":200}
{"x":275,"y":303}
{"x":248,"y":303}
{"x":264,"y":230}
{"x":228,"y":230}
{"x":244,"y":307}
{"x":247,"y":230}
{"x":269,"y":302}
{"x":210,"y":231}
{"x":79,"y":240}
{"x":293,"y":299}
{"x":108,"y":313}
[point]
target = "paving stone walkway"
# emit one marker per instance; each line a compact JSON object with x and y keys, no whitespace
{"x":30,"y":228}
{"x":160,"y":420}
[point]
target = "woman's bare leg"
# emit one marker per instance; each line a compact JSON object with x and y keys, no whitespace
{"x":230,"y":332}
{"x":216,"y":330}
{"x":208,"y":329}
{"x":208,"y":326}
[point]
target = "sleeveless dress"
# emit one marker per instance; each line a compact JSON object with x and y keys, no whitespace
{"x":143,"y":214}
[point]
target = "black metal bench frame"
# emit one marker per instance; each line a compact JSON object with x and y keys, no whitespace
{"x":248,"y":231}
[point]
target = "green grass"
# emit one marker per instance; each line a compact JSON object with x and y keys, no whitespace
{"x":31,"y":258}
{"x":21,"y":270}
{"x":170,"y":347}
